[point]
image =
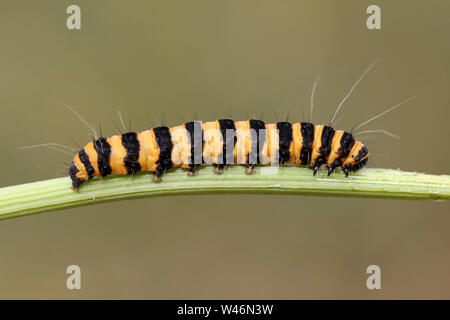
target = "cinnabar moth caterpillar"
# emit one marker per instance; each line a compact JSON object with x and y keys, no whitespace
{"x":219,"y":143}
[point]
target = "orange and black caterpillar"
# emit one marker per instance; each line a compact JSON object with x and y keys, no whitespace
{"x":219,"y":143}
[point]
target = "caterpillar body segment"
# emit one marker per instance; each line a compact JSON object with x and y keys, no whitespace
{"x":218,"y":143}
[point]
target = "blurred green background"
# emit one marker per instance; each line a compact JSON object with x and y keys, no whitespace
{"x":186,"y":58}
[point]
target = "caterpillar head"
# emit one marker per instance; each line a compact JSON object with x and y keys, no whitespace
{"x":78,"y":175}
{"x":356,"y":159}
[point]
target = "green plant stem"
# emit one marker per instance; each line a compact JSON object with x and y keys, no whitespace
{"x":20,"y":200}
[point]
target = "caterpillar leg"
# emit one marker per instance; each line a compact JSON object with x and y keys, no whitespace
{"x":319,"y":162}
{"x":250,"y":169}
{"x":192,"y":171}
{"x":157,"y":176}
{"x":346,"y":170}
{"x":330,"y":170}
{"x":219,"y":168}
{"x":316,"y":168}
{"x":331,"y":167}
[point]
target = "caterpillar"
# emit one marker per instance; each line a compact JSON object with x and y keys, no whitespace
{"x":223,"y":142}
